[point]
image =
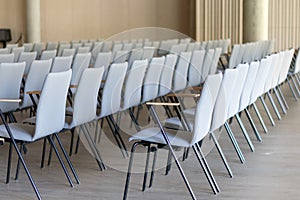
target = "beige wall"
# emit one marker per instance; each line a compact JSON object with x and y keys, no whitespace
{"x":90,"y":19}
{"x":12,"y":15}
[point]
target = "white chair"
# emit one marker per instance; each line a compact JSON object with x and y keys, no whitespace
{"x":233,"y":57}
{"x":135,"y":54}
{"x":11,"y":46}
{"x":215,"y":61}
{"x":17,"y":51}
{"x":83,"y":50}
{"x":68,"y":52}
{"x":195,"y":69}
{"x":148,"y":53}
{"x":51,"y":46}
{"x":61,"y":64}
{"x":48,"y":54}
{"x":158,"y":135}
{"x":208,"y":59}
{"x":34,"y":81}
{"x":80,"y":63}
{"x":4,"y":51}
{"x":62,"y":47}
{"x":121,"y":56}
{"x":103,"y":59}
{"x":50,"y":120}
{"x":28,"y":58}
{"x":7,"y":58}
{"x":84,"y":107}
{"x":38,"y":47}
{"x":28,"y":47}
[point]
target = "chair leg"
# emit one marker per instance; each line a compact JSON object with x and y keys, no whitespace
{"x":129,"y":169}
{"x":279,"y":101}
{"x":169,"y":163}
{"x":36,"y":191}
{"x":43,"y":153}
{"x":267,"y":110}
{"x":77,"y":142}
{"x":93,"y":148}
{"x":245,"y":133}
{"x":260,"y":118}
{"x":221,"y":154}
{"x":18,"y":164}
{"x":234,"y":142}
{"x":273,"y":105}
{"x":283,"y":98}
{"x":153,"y":149}
{"x":72,"y":141}
{"x":253,"y":125}
{"x":50,"y":153}
{"x":206,"y":172}
{"x":295,"y":84}
{"x":146,"y":168}
{"x":50,"y":139}
{"x":292,"y":89}
{"x":9,"y":163}
{"x":67,"y":158}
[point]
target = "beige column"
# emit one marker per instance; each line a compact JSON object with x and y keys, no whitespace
{"x":33,"y":20}
{"x":255,"y":20}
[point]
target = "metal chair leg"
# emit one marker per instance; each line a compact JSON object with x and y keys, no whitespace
{"x":153,"y":149}
{"x":222,"y":155}
{"x":206,"y":172}
{"x":169,"y":163}
{"x":292,"y":89}
{"x":274,"y":105}
{"x":146,"y":168}
{"x":267,"y":110}
{"x":234,"y":142}
{"x":283,"y":98}
{"x":50,"y":139}
{"x":260,"y":118}
{"x":253,"y":125}
{"x":129,"y":169}
{"x":9,"y":163}
{"x":72,"y":141}
{"x":245,"y":133}
{"x":43,"y":153}
{"x":67,"y":158}
{"x":279,"y":101}
{"x":18,"y":164}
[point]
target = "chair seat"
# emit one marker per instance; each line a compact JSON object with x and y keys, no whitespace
{"x":175,"y":123}
{"x":154,"y":135}
{"x":24,"y":132}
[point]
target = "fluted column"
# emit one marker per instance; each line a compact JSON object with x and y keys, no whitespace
{"x":255,"y":20}
{"x":33,"y":20}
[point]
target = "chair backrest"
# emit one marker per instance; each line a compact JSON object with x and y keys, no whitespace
{"x":28,"y":47}
{"x":215,"y":61}
{"x":83,"y":49}
{"x":233,"y":56}
{"x":127,"y":46}
{"x":48,"y":54}
{"x":181,"y":71}
{"x":17,"y":51}
{"x":178,"y":48}
{"x":205,"y":106}
{"x":10,"y":82}
{"x":28,"y":58}
{"x":260,"y":79}
{"x":61,"y":64}
{"x":50,"y":116}
{"x":224,"y":98}
{"x":38,"y":47}
{"x":7,"y":58}
{"x":111,"y":96}
{"x":190,"y":46}
{"x":11,"y":46}
{"x":249,"y":82}
{"x":4,"y":51}
{"x":121,"y":56}
{"x":233,"y":107}
{"x":208,"y":59}
{"x":133,"y":84}
{"x":152,"y":78}
{"x":68,"y":52}
{"x":62,"y":47}
{"x":116,"y":47}
{"x":277,"y":68}
{"x":135,"y":54}
{"x":103,"y":59}
{"x":148,"y":53}
{"x":166,"y":78}
{"x":195,"y":69}
{"x":297,"y":63}
{"x":287,"y":60}
{"x":81,"y":62}
{"x":85,"y":100}
{"x":51,"y":46}
{"x":241,"y":54}
{"x":35,"y":79}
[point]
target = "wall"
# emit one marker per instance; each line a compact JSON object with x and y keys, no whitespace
{"x":91,"y":19}
{"x":12,"y":15}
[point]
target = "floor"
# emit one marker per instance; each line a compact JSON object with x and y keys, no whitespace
{"x":271,"y":172}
